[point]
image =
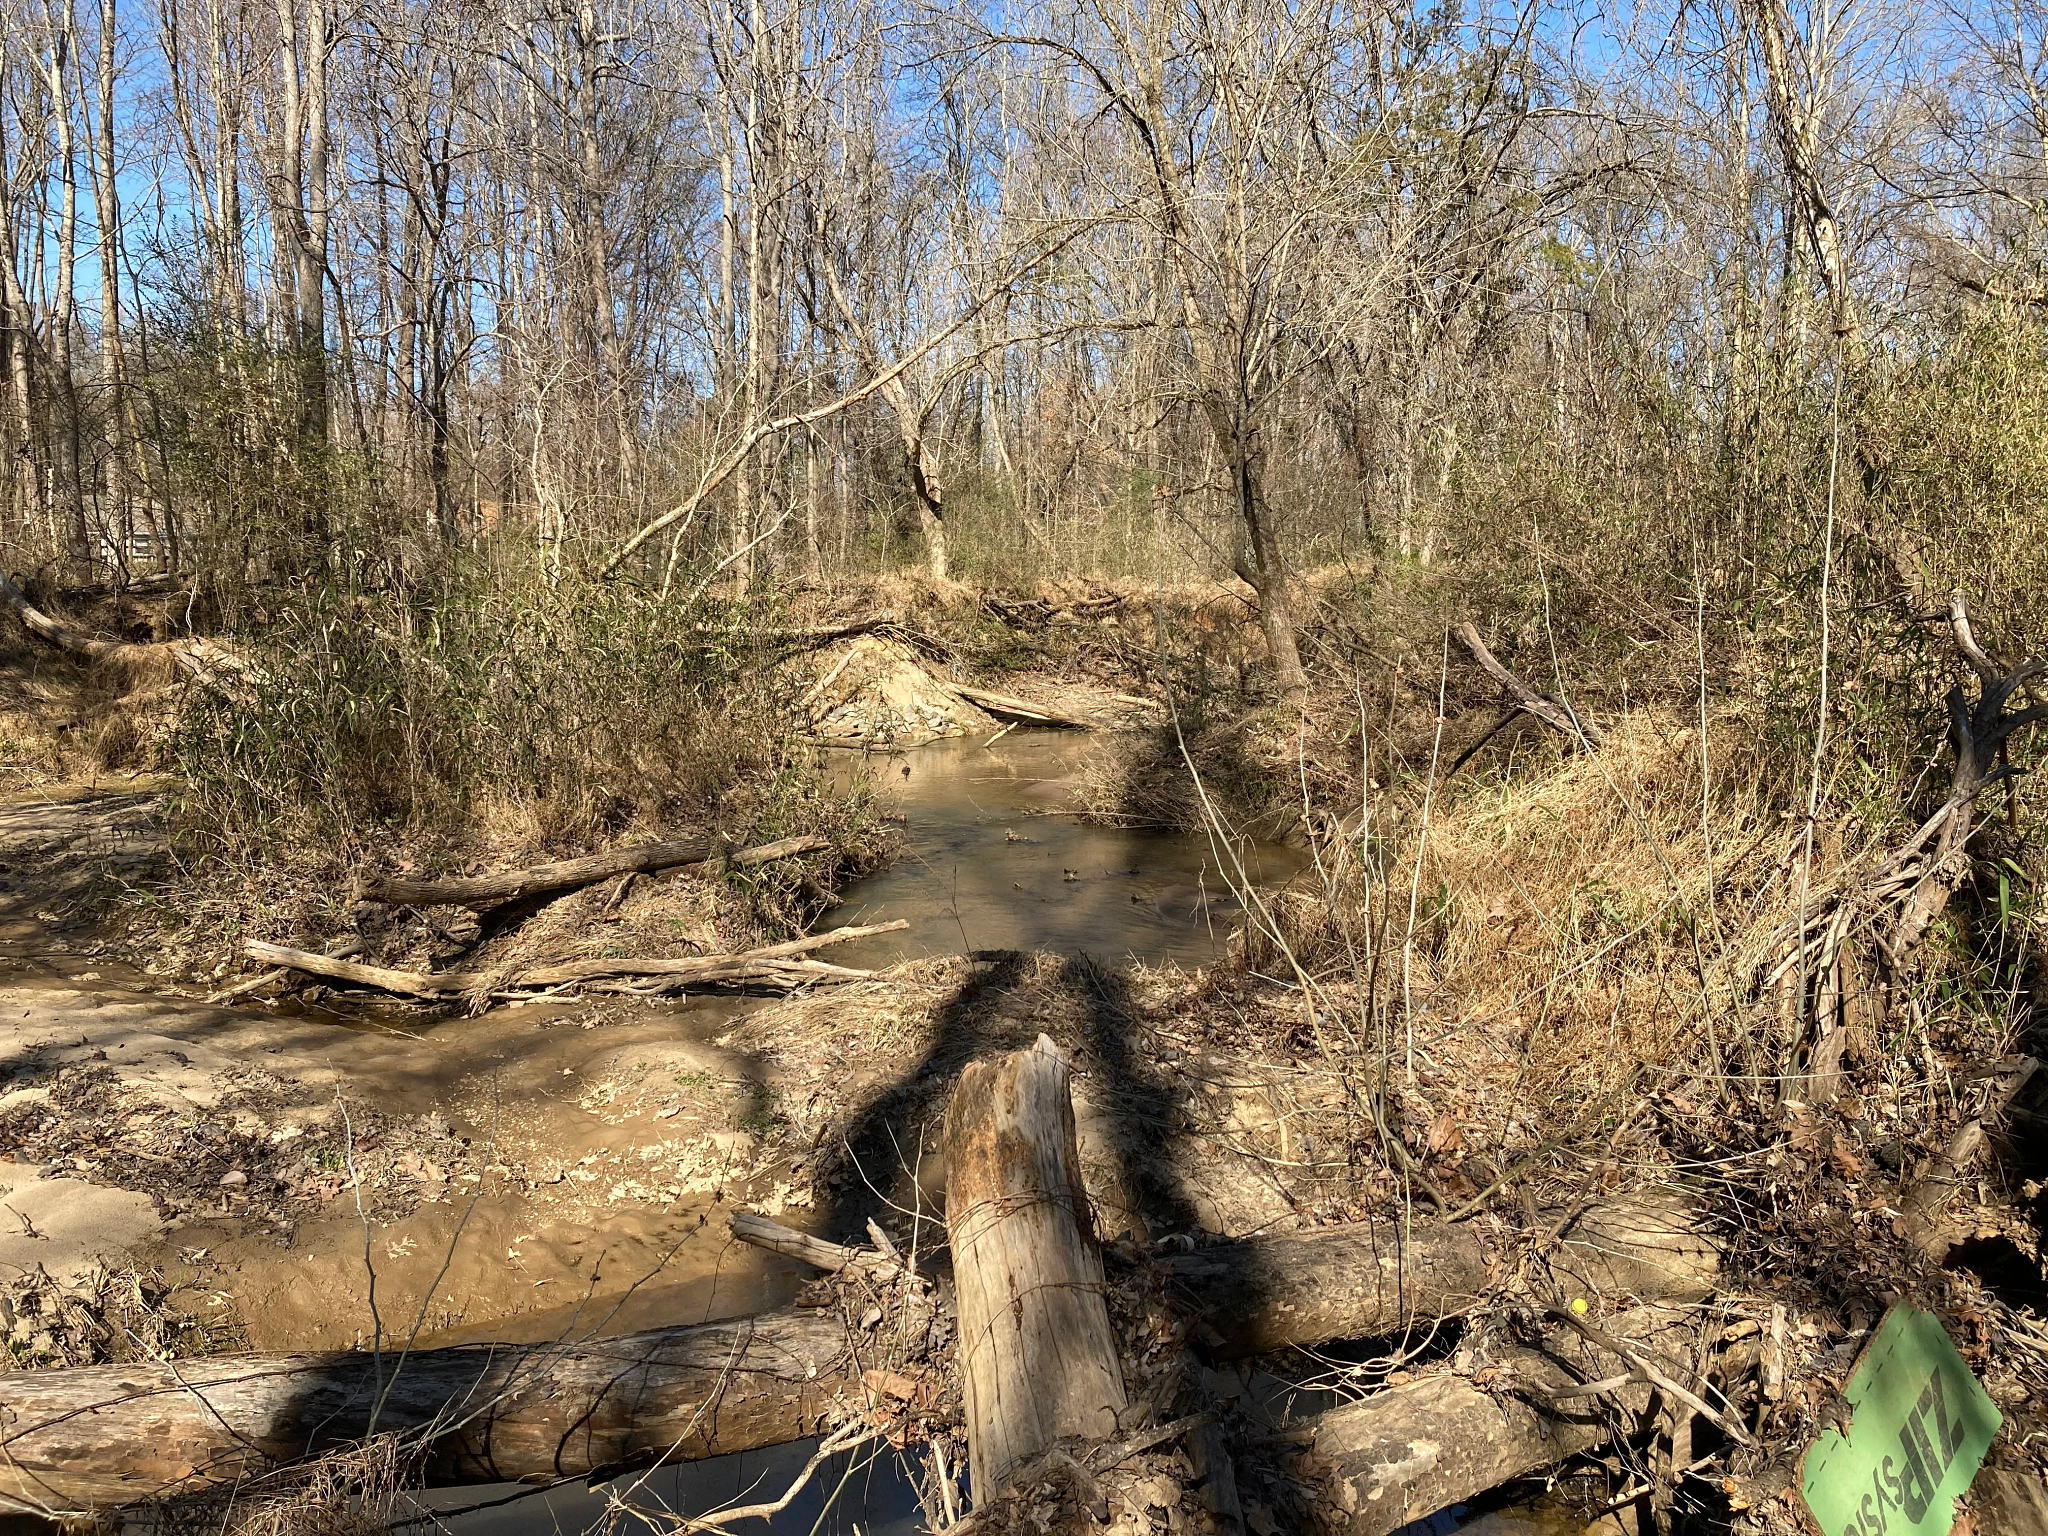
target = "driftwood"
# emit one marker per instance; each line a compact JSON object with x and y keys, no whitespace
{"x":1037,"y":1355}
{"x":1409,"y":1451}
{"x":110,"y":1435}
{"x":1552,"y":711}
{"x":479,"y":891}
{"x":1006,"y":706}
{"x":779,"y":963}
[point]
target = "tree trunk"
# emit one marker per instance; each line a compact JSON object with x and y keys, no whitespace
{"x":111,"y":1435}
{"x":1405,"y":1453}
{"x":1266,"y":570}
{"x":17,"y":343}
{"x":1797,"y":118}
{"x":58,"y":72}
{"x":1036,"y":1350}
{"x":120,"y":513}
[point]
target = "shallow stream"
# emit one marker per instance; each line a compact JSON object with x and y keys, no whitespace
{"x":992,"y":855}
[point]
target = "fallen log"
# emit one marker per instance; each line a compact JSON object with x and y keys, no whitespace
{"x":199,"y":658}
{"x":1006,"y":706}
{"x":1368,"y":1279}
{"x":112,"y":1434}
{"x":102,"y":1436}
{"x":1552,"y":712}
{"x":1037,"y":1355}
{"x":1405,"y":1453}
{"x":480,"y":891}
{"x":775,"y":962}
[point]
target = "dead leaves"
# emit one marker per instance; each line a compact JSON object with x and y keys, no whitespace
{"x":1445,"y":1135}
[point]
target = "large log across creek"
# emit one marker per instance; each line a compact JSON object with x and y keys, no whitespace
{"x":1035,"y":1348}
{"x":480,"y":891}
{"x":106,"y":1436}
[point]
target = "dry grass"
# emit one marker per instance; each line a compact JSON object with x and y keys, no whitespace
{"x":367,"y":1490}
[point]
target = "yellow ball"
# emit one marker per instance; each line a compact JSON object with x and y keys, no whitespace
{"x":1579,"y":1306}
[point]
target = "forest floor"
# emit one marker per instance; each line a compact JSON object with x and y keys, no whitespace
{"x":238,"y":1173}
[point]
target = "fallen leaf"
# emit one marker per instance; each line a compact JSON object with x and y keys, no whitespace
{"x":1803,"y":1126}
{"x":892,"y":1384}
{"x":1445,"y":1135}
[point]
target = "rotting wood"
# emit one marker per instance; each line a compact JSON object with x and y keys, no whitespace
{"x":1552,"y":712}
{"x":1037,"y":1356}
{"x":781,"y":963}
{"x":101,"y":1436}
{"x":1409,"y":1451}
{"x":1006,"y":706}
{"x":480,"y":891}
{"x":1926,"y":1199}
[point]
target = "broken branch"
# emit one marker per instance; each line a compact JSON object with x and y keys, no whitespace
{"x":481,"y":891}
{"x":1551,"y":711}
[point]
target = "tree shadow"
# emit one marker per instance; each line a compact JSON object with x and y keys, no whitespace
{"x":883,"y":1163}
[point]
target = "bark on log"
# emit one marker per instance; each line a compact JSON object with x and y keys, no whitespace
{"x":1006,"y":706}
{"x":1552,"y":712}
{"x":1037,"y":1356}
{"x":775,"y":962}
{"x":1368,"y":1279}
{"x":480,"y":891}
{"x":1407,"y":1452}
{"x":110,"y":1435}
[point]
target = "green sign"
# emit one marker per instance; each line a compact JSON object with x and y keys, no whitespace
{"x":1918,"y":1428}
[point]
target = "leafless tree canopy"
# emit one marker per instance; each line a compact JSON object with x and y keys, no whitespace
{"x":669,"y":289}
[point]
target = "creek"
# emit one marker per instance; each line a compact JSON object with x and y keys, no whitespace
{"x":992,"y":855}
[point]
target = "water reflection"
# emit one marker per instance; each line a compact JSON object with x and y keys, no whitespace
{"x":858,"y":1492}
{"x":993,"y":856}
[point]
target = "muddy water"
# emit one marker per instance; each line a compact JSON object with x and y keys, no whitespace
{"x":993,"y":856}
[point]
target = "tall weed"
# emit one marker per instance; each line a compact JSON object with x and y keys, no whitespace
{"x":477,"y":710}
